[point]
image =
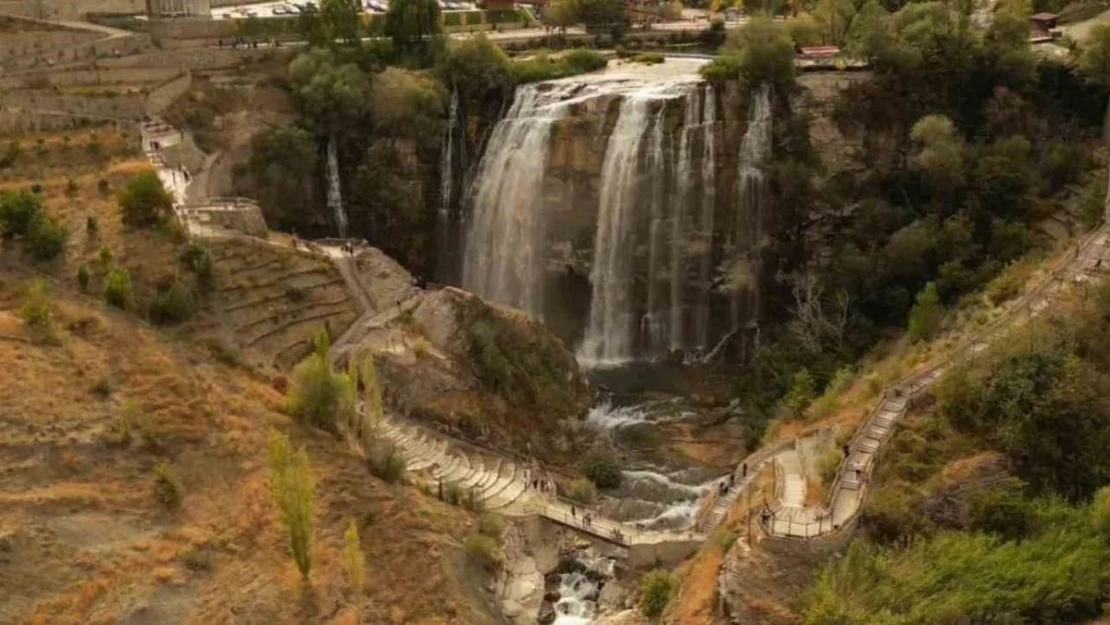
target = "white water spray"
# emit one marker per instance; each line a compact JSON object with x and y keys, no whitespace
{"x":752,"y":191}
{"x":335,"y":193}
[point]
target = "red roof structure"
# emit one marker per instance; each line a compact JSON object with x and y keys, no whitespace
{"x":819,"y":52}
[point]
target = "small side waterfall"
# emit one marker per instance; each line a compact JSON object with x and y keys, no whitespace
{"x":752,"y":198}
{"x":609,"y":334}
{"x":446,"y":217}
{"x":654,"y":323}
{"x":446,"y":165}
{"x":335,"y":193}
{"x":504,"y":242}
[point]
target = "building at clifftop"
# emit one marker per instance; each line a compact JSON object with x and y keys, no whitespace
{"x":178,"y":8}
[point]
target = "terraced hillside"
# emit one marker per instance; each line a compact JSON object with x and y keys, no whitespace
{"x":273,"y":300}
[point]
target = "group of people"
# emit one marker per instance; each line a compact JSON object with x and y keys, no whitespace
{"x":540,"y":485}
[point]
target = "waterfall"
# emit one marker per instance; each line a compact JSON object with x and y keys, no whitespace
{"x":446,"y":166}
{"x":335,"y":194}
{"x":608,"y":337}
{"x":705,"y":220}
{"x":752,"y":195}
{"x":445,"y":220}
{"x":654,"y":323}
{"x":678,"y":222}
{"x":504,"y":242}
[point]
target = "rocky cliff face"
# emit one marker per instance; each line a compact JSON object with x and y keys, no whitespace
{"x":484,"y":372}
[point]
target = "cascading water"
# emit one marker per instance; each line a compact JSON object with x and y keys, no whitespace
{"x":752,"y":196}
{"x":447,"y":172}
{"x":577,"y":602}
{"x":504,"y":242}
{"x":608,"y":337}
{"x":335,"y":193}
{"x":654,"y":324}
{"x":705,"y":220}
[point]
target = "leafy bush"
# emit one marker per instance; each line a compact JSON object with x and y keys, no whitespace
{"x":36,"y":313}
{"x":46,"y":237}
{"x":18,"y":209}
{"x":292,"y":488}
{"x":386,"y":464}
{"x":583,"y":491}
{"x":649,"y":58}
{"x":1055,"y":576}
{"x":354,"y":562}
{"x":167,"y":487}
{"x":173,"y":304}
{"x":483,"y":551}
{"x":144,"y":202}
{"x":656,"y":589}
{"x":117,"y":288}
{"x":1100,"y":512}
{"x":105,"y":256}
{"x":491,"y":525}
{"x":603,"y":470}
{"x":801,"y":393}
{"x":319,"y":396}
{"x":544,"y":67}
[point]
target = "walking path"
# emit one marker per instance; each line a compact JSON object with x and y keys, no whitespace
{"x":790,"y":518}
{"x":500,"y":482}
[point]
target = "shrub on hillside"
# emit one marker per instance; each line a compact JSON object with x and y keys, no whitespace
{"x":83,"y":277}
{"x":144,"y":202}
{"x":36,"y":313}
{"x":319,"y":396}
{"x":17,"y":210}
{"x":656,"y":589}
{"x":117,"y":288}
{"x":167,"y":487}
{"x":385,"y":463}
{"x":926,"y":314}
{"x":46,"y":237}
{"x":105,"y":257}
{"x":173,"y":304}
{"x":483,"y":551}
{"x":491,"y":525}
{"x":583,"y":491}
{"x":1100,"y":513}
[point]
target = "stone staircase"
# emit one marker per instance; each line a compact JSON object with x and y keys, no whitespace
{"x":496,"y":482}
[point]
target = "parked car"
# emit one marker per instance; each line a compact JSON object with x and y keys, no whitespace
{"x":280,"y":9}
{"x":293,"y":9}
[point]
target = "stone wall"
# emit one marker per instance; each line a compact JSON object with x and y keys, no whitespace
{"x":130,"y":106}
{"x":245,"y":217}
{"x":89,"y":78}
{"x":80,"y":52}
{"x":19,"y":122}
{"x":665,"y":554}
{"x":162,"y":96}
{"x":68,"y":9}
{"x":819,"y":93}
{"x":33,"y":43}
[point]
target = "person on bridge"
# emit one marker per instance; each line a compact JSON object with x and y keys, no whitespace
{"x":574,"y":513}
{"x":744,"y":470}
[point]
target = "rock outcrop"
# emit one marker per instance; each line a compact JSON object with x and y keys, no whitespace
{"x":484,"y":372}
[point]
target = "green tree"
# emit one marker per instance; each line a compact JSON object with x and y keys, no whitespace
{"x":1100,"y":512}
{"x":117,"y":288}
{"x":282,"y":165}
{"x":656,"y":589}
{"x":342,"y":20}
{"x":477,"y":66}
{"x":414,"y":28}
{"x":144,"y":202}
{"x":319,"y":396}
{"x":355,"y":565}
{"x":926,"y":314}
{"x":603,"y":470}
{"x":765,"y":52}
{"x":941,"y":155}
{"x":594,"y":13}
{"x":333,"y":93}
{"x":1094,"y":59}
{"x":802,"y":391}
{"x":292,"y":489}
{"x":561,"y":14}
